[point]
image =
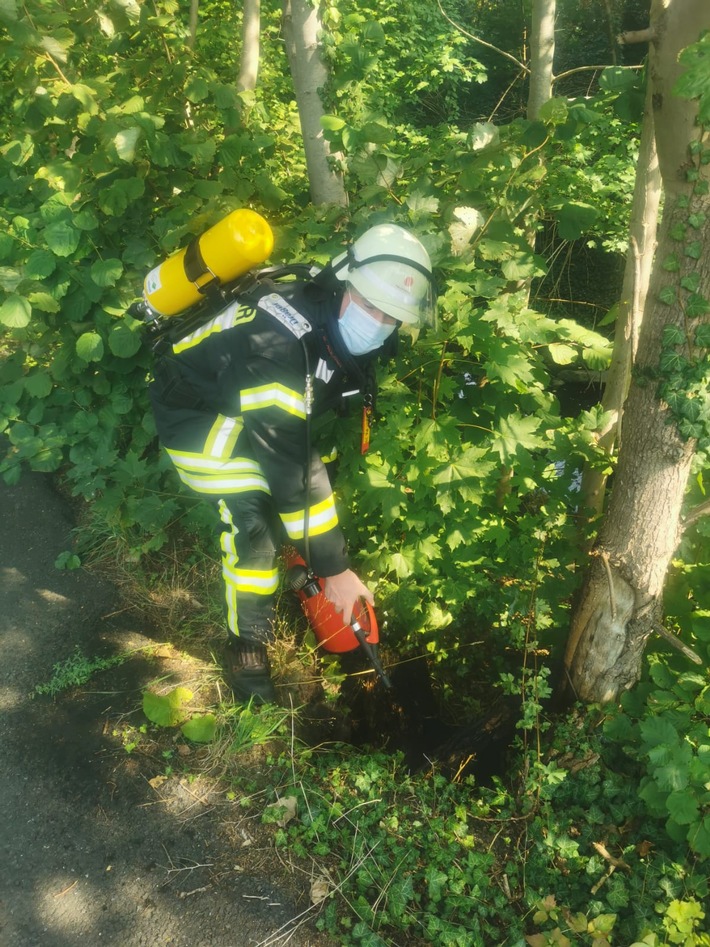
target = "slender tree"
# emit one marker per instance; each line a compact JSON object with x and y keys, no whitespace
{"x":620,"y":604}
{"x":637,"y":273}
{"x":302,"y":27}
{"x":249,"y":61}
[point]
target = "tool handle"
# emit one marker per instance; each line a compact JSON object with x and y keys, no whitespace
{"x":371,"y":654}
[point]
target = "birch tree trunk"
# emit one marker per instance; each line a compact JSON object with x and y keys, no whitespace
{"x":302,"y":26}
{"x":643,"y":226}
{"x":542,"y":55}
{"x":194,"y":16}
{"x":251,"y":35}
{"x":621,"y":599}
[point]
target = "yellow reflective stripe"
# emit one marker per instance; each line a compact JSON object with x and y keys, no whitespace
{"x":227,"y":537}
{"x":208,"y":475}
{"x":223,"y":484}
{"x":256,"y":581}
{"x":200,"y":463}
{"x":273,"y":396}
{"x":233,"y":315}
{"x":223,"y":436}
{"x":321,"y":518}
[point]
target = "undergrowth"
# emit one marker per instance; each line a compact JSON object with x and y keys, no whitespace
{"x":591,"y":833}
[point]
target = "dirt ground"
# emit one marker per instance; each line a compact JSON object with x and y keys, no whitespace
{"x":95,"y":849}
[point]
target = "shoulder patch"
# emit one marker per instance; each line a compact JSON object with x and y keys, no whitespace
{"x":277,"y":307}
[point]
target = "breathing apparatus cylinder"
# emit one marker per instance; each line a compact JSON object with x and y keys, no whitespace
{"x":227,"y":250}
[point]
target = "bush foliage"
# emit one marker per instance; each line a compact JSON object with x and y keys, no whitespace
{"x":121,"y":143}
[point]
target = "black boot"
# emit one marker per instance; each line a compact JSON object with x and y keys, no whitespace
{"x":248,"y":673}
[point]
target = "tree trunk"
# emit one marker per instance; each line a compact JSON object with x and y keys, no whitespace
{"x":251,"y":34}
{"x":302,"y":25}
{"x":542,"y":54}
{"x":637,"y":273}
{"x":194,"y":15}
{"x":621,"y":598}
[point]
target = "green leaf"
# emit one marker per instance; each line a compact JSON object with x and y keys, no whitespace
{"x":523,"y":265}
{"x":86,"y":220}
{"x":691,"y":282}
{"x":655,"y":730}
{"x":561,"y":354}
{"x":40,"y":264}
{"x":554,"y":111}
{"x":62,"y":238}
{"x":90,"y":347}
{"x":197,"y":89}
{"x":332,"y":123}
{"x":575,"y":219}
{"x":124,"y":341}
{"x":683,"y":806}
{"x":696,"y":306}
{"x":200,"y":728}
{"x":167,"y":710}
{"x":702,"y":335}
{"x":672,"y":335}
{"x":15,"y":312}
{"x":699,"y":837}
{"x":8,"y":11}
{"x":38,"y":384}
{"x":125,"y":143}
{"x":516,"y":432}
{"x":376,"y":132}
{"x":114,"y":200}
{"x":106,"y":272}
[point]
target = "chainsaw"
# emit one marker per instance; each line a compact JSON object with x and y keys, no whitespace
{"x":333,"y":634}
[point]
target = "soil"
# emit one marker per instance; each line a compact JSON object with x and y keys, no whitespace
{"x":100,"y":845}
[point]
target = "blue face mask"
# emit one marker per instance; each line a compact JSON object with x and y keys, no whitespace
{"x":360,"y":331}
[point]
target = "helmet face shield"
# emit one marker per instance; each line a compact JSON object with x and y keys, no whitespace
{"x":390,"y":268}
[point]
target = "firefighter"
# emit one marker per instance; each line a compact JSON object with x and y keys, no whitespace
{"x":233,"y":403}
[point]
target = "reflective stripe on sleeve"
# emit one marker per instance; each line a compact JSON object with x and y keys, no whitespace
{"x":321,"y":518}
{"x":223,"y":436}
{"x":205,"y":475}
{"x":274,"y":396}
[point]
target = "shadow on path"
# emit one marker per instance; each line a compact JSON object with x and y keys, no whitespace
{"x":89,"y":851}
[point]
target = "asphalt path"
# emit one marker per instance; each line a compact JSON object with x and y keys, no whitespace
{"x":88,"y":852}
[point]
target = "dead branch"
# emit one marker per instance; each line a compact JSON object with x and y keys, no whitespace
{"x":677,"y":644}
{"x":477,"y":39}
{"x":571,"y":72}
{"x":702,"y":509}
{"x":636,"y":36}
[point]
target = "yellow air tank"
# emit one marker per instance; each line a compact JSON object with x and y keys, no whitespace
{"x":227,"y":250}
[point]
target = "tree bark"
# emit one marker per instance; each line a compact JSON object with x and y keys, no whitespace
{"x":302,"y":26}
{"x":621,"y":598}
{"x":542,"y":54}
{"x":194,"y":15}
{"x":251,"y":35}
{"x":637,"y":273}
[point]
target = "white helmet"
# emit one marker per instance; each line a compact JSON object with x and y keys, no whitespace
{"x":390,"y":268}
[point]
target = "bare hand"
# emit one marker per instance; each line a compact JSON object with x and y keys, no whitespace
{"x":344,"y":590}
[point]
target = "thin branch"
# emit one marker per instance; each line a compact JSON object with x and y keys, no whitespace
{"x":702,"y":509}
{"x":676,"y":643}
{"x":571,"y":72}
{"x":54,"y":62}
{"x":637,"y":36}
{"x":477,"y":39}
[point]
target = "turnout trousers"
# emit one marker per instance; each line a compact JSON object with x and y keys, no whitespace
{"x":212,"y":456}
